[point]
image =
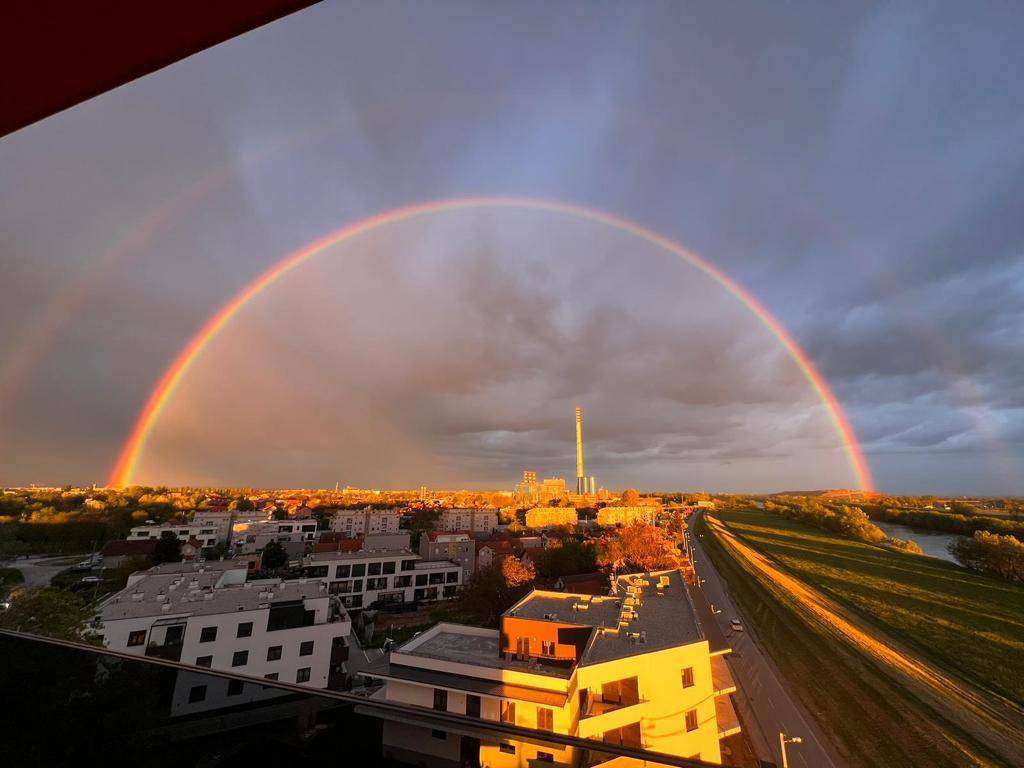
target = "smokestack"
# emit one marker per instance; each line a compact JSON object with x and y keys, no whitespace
{"x":581,"y":478}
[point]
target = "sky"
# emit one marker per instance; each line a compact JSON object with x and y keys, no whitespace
{"x":858,"y":167}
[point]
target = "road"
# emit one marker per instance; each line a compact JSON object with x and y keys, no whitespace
{"x":39,"y":570}
{"x":765,"y":704}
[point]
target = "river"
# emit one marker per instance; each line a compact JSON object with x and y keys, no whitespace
{"x":932,"y":543}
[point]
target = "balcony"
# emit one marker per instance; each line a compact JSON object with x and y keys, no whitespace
{"x":600,"y":716}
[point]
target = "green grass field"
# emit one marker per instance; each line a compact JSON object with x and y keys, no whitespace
{"x":967,"y":624}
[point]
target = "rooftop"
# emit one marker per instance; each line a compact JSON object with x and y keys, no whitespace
{"x":645,"y":612}
{"x":195,"y":594}
{"x":471,"y":645}
{"x":363,"y":554}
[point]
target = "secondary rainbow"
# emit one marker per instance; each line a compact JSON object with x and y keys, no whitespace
{"x":124,"y":470}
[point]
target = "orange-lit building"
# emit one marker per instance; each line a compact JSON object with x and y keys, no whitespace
{"x":631,"y":669}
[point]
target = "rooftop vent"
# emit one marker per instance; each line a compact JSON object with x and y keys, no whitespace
{"x":550,"y":616}
{"x":208,"y":596}
{"x":165,"y":607}
{"x":136,"y":596}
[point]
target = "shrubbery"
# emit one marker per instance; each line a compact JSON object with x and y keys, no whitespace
{"x":1001,"y":556}
{"x":947,"y":522}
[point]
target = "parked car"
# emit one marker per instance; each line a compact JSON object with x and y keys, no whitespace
{"x":736,"y":625}
{"x":91,"y":579}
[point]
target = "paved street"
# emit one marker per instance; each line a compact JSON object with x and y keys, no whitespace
{"x":39,"y":570}
{"x":765,"y":704}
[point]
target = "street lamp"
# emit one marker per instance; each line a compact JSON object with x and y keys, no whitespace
{"x":783,"y":741}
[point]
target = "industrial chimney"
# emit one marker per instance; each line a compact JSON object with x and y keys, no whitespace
{"x":581,"y":478}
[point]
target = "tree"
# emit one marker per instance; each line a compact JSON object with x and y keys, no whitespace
{"x":517,"y":573}
{"x":46,"y":611}
{"x":241,"y":504}
{"x":168,"y":549}
{"x":630,"y":497}
{"x":1001,"y":556}
{"x":274,"y":556}
{"x":488,"y":594}
{"x":570,"y":558}
{"x":638,"y":547}
{"x":280,"y":514}
{"x":423,"y":520}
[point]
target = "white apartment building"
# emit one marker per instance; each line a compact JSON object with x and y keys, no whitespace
{"x":470,"y":520}
{"x":250,"y":536}
{"x":208,"y":528}
{"x":366,"y":522}
{"x":208,"y":615}
{"x":363,"y":578}
{"x":632,"y":669}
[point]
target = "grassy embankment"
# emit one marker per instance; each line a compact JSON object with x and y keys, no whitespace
{"x":962,"y":622}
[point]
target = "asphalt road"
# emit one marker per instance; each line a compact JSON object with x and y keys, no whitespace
{"x":765,"y":704}
{"x":39,"y":570}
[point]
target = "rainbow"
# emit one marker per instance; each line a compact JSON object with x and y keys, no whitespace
{"x":127,"y":462}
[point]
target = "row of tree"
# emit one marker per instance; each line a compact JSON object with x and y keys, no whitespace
{"x":947,"y":522}
{"x":850,"y":522}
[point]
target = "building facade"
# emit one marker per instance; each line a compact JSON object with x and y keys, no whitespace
{"x":631,"y":669}
{"x":466,"y":519}
{"x":366,"y":522}
{"x":457,"y":547}
{"x":253,"y":535}
{"x":209,"y":528}
{"x":362,"y":579}
{"x":612,"y":516}
{"x":550,"y":517}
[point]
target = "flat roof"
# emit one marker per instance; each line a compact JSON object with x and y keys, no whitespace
{"x":197,"y":594}
{"x":362,"y":554}
{"x":471,"y":645}
{"x":646,"y":612}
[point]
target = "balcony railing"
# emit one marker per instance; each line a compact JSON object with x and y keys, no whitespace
{"x":167,"y":651}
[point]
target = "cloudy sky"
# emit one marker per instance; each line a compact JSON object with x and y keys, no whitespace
{"x":858,"y":168}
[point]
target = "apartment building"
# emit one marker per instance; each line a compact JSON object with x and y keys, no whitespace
{"x":458,"y":547}
{"x":208,"y":528}
{"x":250,"y":536}
{"x":365,"y":522}
{"x":631,"y":669}
{"x":366,"y":577}
{"x":471,"y":520}
{"x":539,"y":518}
{"x":612,"y":516}
{"x":208,"y":615}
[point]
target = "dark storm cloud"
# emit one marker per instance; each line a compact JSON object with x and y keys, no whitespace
{"x":858,"y":167}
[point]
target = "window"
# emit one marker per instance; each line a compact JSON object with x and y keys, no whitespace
{"x":244,"y":629}
{"x":545,"y":719}
{"x":451,"y":590}
{"x":389,"y":567}
{"x":196,"y":694}
{"x":547,"y":647}
{"x":271,"y":676}
{"x":316,"y":572}
{"x":408,"y":565}
{"x":508,"y":712}
{"x":545,"y":757}
{"x":208,"y":635}
{"x":341,"y":587}
{"x":306,"y":648}
{"x":378,"y":583}
{"x":691,"y":720}
{"x":437,"y":578}
{"x":688,"y":677}
{"x":403,"y":581}
{"x":357,"y":585}
{"x":240,"y":659}
{"x":441,"y":699}
{"x":374,"y":569}
{"x":508,"y":749}
{"x":472,"y":705}
{"x":274,"y":653}
{"x":451,"y":576}
{"x":302,"y":676}
{"x":421,"y":579}
{"x":138,"y":637}
{"x":359,"y":569}
{"x":204,"y":661}
{"x":438,"y":734}
{"x":342,"y":571}
{"x":235,"y":687}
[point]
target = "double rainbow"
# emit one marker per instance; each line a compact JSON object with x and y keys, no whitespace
{"x":128,"y":460}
